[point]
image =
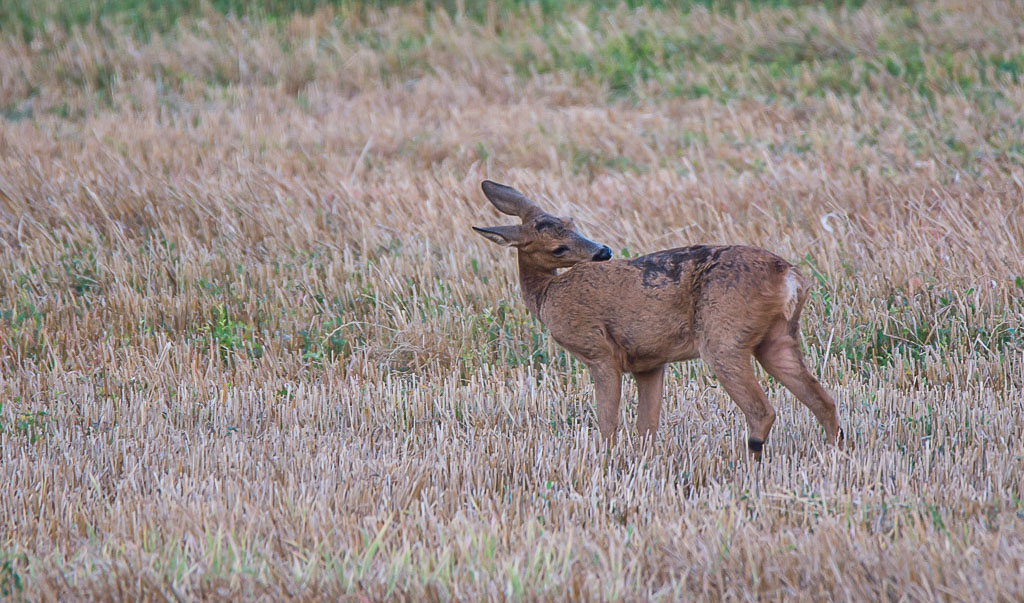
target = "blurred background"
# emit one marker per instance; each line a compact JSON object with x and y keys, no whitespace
{"x":250,"y":346}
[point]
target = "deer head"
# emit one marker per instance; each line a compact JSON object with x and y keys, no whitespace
{"x":544,"y":241}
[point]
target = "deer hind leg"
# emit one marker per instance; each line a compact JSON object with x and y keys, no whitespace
{"x":736,"y":374}
{"x":650,"y":386}
{"x":608,"y":391}
{"x":780,"y":356}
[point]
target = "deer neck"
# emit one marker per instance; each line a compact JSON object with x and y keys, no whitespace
{"x":533,"y":282}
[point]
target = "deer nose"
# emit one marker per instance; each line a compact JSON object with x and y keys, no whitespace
{"x":604,"y":254}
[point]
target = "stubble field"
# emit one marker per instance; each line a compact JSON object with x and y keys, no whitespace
{"x":250,"y":346}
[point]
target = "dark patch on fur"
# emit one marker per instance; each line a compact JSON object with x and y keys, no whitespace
{"x":667,"y":267}
{"x":755,"y":445}
{"x":546,"y":224}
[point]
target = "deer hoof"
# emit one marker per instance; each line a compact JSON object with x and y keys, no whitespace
{"x":756,"y":447}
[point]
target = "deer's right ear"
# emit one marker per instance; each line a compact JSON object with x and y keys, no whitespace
{"x":508,"y":200}
{"x":506,"y":236}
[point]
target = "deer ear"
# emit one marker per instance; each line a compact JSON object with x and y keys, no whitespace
{"x":506,"y":236}
{"x":508,"y":200}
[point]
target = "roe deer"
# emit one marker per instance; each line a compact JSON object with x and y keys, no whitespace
{"x":723,"y":304}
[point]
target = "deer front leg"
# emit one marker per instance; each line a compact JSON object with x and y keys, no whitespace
{"x":650,"y":387}
{"x":608,"y":391}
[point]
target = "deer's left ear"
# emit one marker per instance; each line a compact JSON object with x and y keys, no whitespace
{"x":508,"y":200}
{"x":507,"y":236}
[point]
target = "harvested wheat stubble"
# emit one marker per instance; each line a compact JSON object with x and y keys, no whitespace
{"x":250,"y":347}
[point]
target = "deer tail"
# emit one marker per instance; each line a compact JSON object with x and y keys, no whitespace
{"x":794,"y":290}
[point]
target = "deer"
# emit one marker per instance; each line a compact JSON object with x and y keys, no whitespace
{"x":721,"y":303}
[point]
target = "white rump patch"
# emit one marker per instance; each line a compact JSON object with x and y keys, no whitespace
{"x":790,"y":293}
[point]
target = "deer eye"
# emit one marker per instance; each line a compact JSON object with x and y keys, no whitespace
{"x":561,"y":249}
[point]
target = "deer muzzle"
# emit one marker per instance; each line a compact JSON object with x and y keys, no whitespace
{"x":604,"y":254}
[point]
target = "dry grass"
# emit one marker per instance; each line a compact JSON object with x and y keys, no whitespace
{"x":251,"y":348}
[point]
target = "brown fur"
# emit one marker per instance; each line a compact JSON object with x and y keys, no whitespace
{"x":722,"y":304}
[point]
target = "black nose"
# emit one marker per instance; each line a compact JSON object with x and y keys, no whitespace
{"x":604,"y":254}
